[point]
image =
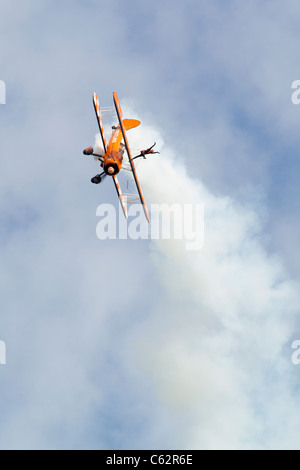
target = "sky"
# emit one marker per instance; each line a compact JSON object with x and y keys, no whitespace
{"x":142,"y":344}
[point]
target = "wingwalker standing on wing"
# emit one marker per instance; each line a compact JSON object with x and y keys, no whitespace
{"x":111,"y":160}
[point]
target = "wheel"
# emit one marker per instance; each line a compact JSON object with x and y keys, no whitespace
{"x":96,"y":179}
{"x":88,"y":151}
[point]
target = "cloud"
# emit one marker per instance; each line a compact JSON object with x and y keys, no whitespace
{"x":122,"y":343}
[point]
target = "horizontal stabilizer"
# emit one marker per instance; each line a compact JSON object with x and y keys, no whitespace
{"x":130,"y":123}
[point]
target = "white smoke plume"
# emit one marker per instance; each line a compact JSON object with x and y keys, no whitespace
{"x":98,"y":146}
{"x":218,"y":344}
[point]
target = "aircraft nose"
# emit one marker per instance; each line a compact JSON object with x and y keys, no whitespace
{"x":110,"y":170}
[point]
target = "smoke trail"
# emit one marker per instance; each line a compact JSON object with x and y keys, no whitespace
{"x":98,"y":146}
{"x":218,"y":344}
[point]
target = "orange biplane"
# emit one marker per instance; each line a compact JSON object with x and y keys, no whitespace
{"x":112,"y":159}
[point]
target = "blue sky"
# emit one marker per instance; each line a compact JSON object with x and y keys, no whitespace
{"x":138,"y":344}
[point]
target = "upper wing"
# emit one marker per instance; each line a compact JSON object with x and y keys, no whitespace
{"x":120,"y":117}
{"x":99,"y":119}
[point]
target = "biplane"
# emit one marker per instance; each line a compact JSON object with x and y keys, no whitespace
{"x":112,"y":160}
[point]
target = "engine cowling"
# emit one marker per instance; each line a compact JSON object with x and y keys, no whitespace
{"x":110,"y":166}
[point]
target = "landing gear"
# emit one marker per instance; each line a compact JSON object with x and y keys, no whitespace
{"x":88,"y":151}
{"x":96,"y":179}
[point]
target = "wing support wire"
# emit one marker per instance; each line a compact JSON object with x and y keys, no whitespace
{"x":120,"y":118}
{"x":99,"y":119}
